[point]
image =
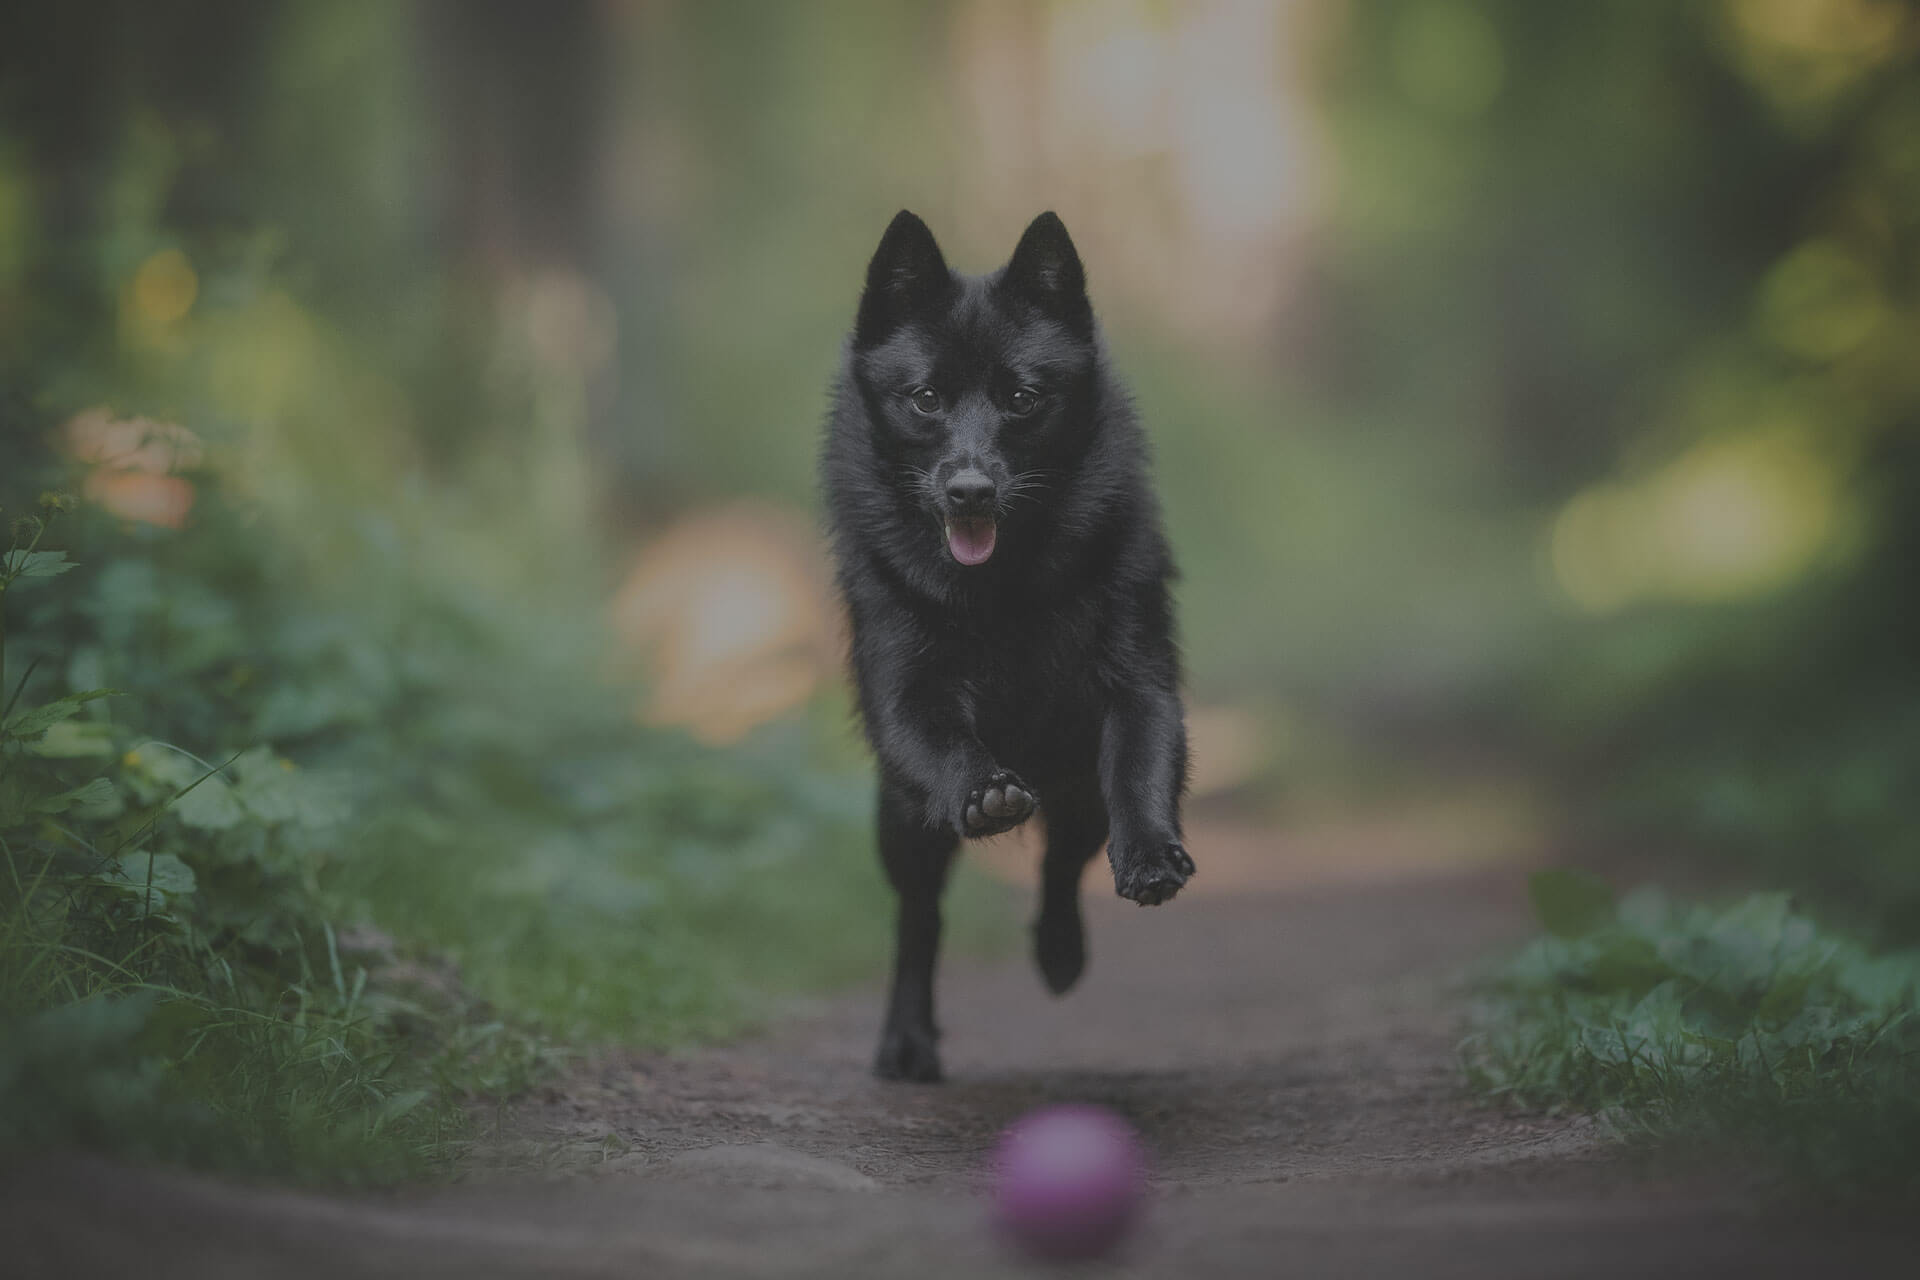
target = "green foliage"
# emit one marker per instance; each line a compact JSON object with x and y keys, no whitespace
{"x":1746,"y":1025}
{"x":1807,"y":783}
{"x":332,"y":860}
{"x":19,"y":564}
{"x":158,"y":982}
{"x":365,"y":832}
{"x":1581,"y":245}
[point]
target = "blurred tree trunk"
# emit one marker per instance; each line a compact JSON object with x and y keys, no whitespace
{"x":525,"y":95}
{"x":521,"y":98}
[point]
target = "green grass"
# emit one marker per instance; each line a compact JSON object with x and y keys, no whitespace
{"x":1744,"y":1029}
{"x":293,"y":872}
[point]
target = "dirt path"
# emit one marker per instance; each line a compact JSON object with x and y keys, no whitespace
{"x":1287,"y":1053}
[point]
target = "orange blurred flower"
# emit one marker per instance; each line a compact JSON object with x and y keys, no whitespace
{"x":732,"y":611}
{"x":133,"y":461}
{"x":164,"y":501}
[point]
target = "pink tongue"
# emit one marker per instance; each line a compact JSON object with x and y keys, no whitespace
{"x":971,"y":541}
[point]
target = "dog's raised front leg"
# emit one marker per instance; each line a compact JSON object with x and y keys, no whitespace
{"x":1143,"y":767}
{"x":927,"y":743}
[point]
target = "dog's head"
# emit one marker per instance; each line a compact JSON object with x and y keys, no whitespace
{"x":978,"y":389}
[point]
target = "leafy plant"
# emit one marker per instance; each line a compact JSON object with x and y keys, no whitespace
{"x":1746,"y":1024}
{"x":154,"y":1005}
{"x":333,"y":862}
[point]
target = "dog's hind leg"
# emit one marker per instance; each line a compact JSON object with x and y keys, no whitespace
{"x":1076,"y":828}
{"x":916,"y":858}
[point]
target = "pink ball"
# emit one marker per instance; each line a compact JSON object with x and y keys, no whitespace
{"x":1069,"y":1181}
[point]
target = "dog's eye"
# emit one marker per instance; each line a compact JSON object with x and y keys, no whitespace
{"x":1024,"y":400}
{"x":924,"y":399}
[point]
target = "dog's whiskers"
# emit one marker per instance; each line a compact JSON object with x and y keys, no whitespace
{"x":1027,"y":485}
{"x":922,"y":479}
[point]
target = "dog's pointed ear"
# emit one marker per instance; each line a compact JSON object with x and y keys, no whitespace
{"x":907,"y":273}
{"x":1045,"y":271}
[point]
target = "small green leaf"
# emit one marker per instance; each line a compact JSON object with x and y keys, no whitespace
{"x":398,"y":1105}
{"x":1881,"y":984}
{"x":209,"y":806}
{"x":1656,"y":1019}
{"x":1626,"y":963}
{"x":185,"y":787}
{"x":1570,"y":904}
{"x":96,"y":799}
{"x":22,"y":565}
{"x":274,"y":790}
{"x":37,"y":720}
{"x":163,"y":871}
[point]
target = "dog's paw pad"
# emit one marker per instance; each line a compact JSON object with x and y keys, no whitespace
{"x":999,"y":804}
{"x":1182,"y":861}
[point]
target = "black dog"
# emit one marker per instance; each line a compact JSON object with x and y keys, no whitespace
{"x":1003,"y":566}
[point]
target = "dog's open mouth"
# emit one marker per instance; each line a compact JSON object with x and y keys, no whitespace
{"x":970,"y":538}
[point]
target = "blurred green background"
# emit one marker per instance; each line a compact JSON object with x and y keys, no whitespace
{"x":1532,"y":389}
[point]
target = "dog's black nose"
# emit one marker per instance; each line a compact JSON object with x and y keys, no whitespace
{"x":969,"y":490}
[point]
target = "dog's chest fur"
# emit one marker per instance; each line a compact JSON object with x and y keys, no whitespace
{"x":1028,"y":677}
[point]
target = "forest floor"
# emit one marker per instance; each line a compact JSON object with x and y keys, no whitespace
{"x":1283,"y":1036}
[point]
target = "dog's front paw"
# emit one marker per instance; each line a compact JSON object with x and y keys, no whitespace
{"x":1149,"y":873}
{"x":1000,"y":803}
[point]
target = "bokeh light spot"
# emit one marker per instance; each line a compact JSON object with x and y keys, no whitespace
{"x":1820,"y":301}
{"x":164,"y":287}
{"x":1595,"y":552}
{"x":1728,"y":518}
{"x":1804,"y":55}
{"x":1740,"y":517}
